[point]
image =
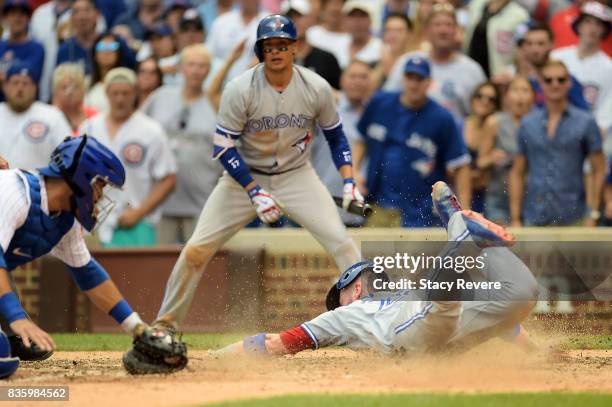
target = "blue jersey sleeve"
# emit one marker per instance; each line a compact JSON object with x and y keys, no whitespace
{"x":593,"y":137}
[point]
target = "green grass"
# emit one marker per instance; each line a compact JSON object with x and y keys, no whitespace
{"x":590,"y":342}
{"x":122,"y":342}
{"x":430,"y":400}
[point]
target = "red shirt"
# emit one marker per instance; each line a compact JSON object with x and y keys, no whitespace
{"x":561,"y":25}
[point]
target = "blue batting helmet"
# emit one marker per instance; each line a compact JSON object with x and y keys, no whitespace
{"x":332,"y":301}
{"x":8,"y":364}
{"x":80,"y":161}
{"x":274,"y":26}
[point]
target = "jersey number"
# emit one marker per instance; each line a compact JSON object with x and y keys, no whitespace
{"x":234,"y":162}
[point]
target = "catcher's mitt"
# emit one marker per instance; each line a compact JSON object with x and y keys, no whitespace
{"x":155,"y":351}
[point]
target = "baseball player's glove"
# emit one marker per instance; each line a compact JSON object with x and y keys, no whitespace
{"x":155,"y":350}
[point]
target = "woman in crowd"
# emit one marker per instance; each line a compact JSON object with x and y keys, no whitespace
{"x":149,"y":77}
{"x":518,"y":101}
{"x":477,"y":129}
{"x":69,"y":86}
{"x":109,"y":51}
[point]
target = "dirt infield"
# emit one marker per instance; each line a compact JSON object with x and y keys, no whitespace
{"x":98,"y":379}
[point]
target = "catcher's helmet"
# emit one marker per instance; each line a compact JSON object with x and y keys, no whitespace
{"x":80,"y":161}
{"x":274,"y":26}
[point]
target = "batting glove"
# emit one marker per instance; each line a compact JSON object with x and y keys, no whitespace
{"x":268,"y":210}
{"x":350,"y":193}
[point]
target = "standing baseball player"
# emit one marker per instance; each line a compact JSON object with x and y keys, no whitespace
{"x":267,"y":119}
{"x":43,"y":212}
{"x":400,"y":322}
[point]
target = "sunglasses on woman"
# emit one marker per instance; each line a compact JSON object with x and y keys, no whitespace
{"x":107,"y":46}
{"x":550,"y":79}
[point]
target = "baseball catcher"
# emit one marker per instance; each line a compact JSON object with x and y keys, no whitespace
{"x":398,"y":323}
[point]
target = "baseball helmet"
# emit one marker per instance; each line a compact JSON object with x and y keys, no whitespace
{"x":80,"y":161}
{"x":332,"y":301}
{"x":8,"y":364}
{"x":273,"y":26}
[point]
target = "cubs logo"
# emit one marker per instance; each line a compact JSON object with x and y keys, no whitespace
{"x":36,"y":131}
{"x":133,"y":154}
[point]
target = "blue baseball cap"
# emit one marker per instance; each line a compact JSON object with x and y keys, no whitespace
{"x":418,"y":65}
{"x":20,"y":68}
{"x":23,"y":5}
{"x":160,"y":30}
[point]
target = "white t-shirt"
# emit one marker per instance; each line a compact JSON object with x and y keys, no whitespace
{"x":595,"y":75}
{"x":452,"y":83}
{"x":142,"y":146}
{"x":329,"y":41}
{"x":15,"y":203}
{"x":28,"y":138}
{"x":226,"y":32}
{"x":370,"y":54}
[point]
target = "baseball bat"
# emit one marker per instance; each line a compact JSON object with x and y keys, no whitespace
{"x":355,"y":207}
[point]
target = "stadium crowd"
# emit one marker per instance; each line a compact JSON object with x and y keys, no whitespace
{"x":511,"y":101}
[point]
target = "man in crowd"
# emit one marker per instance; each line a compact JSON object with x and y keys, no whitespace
{"x":537,"y":46}
{"x":329,"y":34}
{"x":188,"y":117}
{"x":77,"y":48}
{"x":142,"y":146}
{"x":141,"y":18}
{"x":322,"y":62}
{"x":362,"y":44}
{"x":230,"y":29}
{"x":355,"y":91}
{"x":547,"y":179}
{"x":31,"y":129}
{"x":411,"y":142}
{"x":19,"y":47}
{"x":587,"y":62}
{"x":454,"y":76}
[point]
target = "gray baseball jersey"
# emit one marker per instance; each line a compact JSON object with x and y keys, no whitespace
{"x":275,"y":129}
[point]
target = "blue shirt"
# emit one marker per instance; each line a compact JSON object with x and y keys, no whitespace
{"x":71,"y":51}
{"x":409,"y":150}
{"x":554,"y":193}
{"x":110,"y":9}
{"x":575,"y":94}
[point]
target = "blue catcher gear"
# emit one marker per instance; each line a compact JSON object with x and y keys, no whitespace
{"x":273,"y":26}
{"x":8,"y":364}
{"x":80,"y":162}
{"x":332,"y":301}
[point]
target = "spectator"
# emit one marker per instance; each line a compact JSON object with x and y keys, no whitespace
{"x":411,"y":142}
{"x":43,"y":28}
{"x":422,"y":14}
{"x":188,"y":116}
{"x":362,"y":45}
{"x":395,"y":7}
{"x":149,"y":77}
{"x":140,"y":18}
{"x":30,"y":130}
{"x":109,"y":51}
{"x":329,"y":35}
{"x":210,"y":9}
{"x":564,"y":34}
{"x":546,"y":180}
{"x":454,"y":75}
{"x":587,"y":62}
{"x":174,"y":12}
{"x":190,"y":29}
{"x":356,"y":88}
{"x":489,"y":36}
{"x":111,"y":10}
{"x":19,"y":47}
{"x":537,"y":46}
{"x":501,"y":145}
{"x":78,"y":48}
{"x":161,"y":44}
{"x":322,"y":62}
{"x":69,"y":85}
{"x":230,"y":29}
{"x":397,"y":41}
{"x":608,"y":197}
{"x":477,"y":130}
{"x":143,"y":148}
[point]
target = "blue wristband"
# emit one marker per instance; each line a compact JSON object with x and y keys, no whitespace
{"x":121,"y":311}
{"x":253,"y":191}
{"x":255,"y":345}
{"x":11,"y":308}
{"x":349,"y":180}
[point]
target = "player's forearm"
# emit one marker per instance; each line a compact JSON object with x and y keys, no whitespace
{"x":273,"y":347}
{"x":108,"y":299}
{"x":339,"y":147}
{"x":346,"y":171}
{"x":158,"y":194}
{"x":10,"y":306}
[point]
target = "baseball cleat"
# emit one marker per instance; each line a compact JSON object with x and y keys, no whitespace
{"x":444,"y":201}
{"x":484,"y":232}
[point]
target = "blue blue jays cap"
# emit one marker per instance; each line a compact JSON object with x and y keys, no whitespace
{"x":20,"y":68}
{"x":418,"y":65}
